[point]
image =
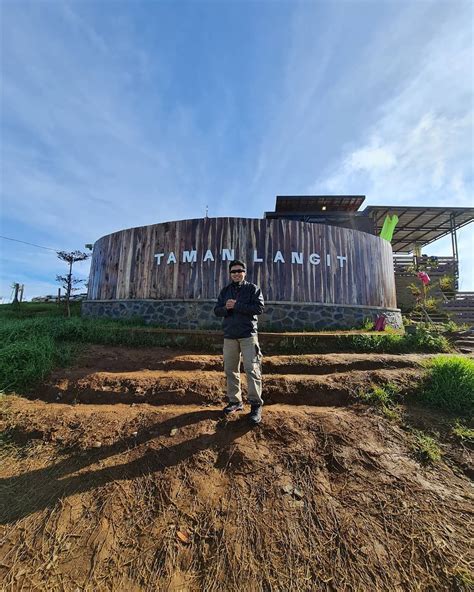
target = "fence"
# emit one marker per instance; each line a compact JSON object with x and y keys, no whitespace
{"x":461,"y":307}
{"x":407,"y":264}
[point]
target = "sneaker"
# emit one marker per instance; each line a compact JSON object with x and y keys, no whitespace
{"x":233,"y":407}
{"x":255,"y":414}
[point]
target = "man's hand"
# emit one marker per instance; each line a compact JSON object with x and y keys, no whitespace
{"x":230,"y":304}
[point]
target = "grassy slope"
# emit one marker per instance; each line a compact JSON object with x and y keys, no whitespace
{"x":35,"y":338}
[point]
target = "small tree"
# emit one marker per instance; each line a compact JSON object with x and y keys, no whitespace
{"x":69,"y":282}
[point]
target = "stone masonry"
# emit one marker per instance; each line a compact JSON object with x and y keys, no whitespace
{"x":278,"y":316}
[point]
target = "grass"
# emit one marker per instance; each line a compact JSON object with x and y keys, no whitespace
{"x":463,"y":433}
{"x":31,"y":346}
{"x":422,"y":340}
{"x":426,"y":449}
{"x":463,"y":580}
{"x":33,"y":309}
{"x":27,"y":361}
{"x":380,"y":395}
{"x":449,"y":384}
{"x":78,"y":330}
{"x":37,"y":337}
{"x":383,"y":398}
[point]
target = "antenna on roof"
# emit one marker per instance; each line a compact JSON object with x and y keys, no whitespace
{"x":207,"y":211}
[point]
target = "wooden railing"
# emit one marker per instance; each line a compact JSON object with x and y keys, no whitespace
{"x":407,"y":264}
{"x":461,"y":300}
{"x":461,"y":307}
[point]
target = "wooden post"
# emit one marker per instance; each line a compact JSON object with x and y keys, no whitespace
{"x":15,"y":297}
{"x":69,"y":287}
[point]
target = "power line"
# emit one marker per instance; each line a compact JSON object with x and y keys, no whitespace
{"x":26,"y":243}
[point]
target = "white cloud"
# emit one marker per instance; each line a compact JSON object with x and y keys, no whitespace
{"x":371,"y":158}
{"x":418,"y":148}
{"x":423,"y":164}
{"x":358,"y":100}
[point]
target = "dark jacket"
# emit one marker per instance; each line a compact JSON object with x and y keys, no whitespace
{"x":241,"y":321}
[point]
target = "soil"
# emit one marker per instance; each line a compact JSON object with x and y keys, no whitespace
{"x":160,"y":376}
{"x":121,"y":473}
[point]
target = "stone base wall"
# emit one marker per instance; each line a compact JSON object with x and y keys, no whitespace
{"x":278,"y":316}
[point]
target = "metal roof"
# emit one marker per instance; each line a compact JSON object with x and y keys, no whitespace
{"x":315,"y":203}
{"x":420,"y":225}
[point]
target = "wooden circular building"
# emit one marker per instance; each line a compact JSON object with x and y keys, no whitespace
{"x":312,"y":275}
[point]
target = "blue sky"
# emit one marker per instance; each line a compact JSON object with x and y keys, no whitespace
{"x":119,"y":114}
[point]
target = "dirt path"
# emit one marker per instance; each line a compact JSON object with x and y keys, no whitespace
{"x":170,"y":496}
{"x":162,"y":376}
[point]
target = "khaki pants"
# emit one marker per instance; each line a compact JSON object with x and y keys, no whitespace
{"x":252,"y":357}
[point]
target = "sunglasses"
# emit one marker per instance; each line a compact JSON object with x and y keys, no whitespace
{"x":237,"y":271}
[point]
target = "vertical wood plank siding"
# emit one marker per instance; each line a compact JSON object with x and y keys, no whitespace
{"x":124,"y":264}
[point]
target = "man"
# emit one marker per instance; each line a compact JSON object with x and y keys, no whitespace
{"x":239,"y":303}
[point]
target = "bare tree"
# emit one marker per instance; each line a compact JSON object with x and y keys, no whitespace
{"x":69,"y":282}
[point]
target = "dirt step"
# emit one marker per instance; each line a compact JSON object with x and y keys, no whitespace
{"x":88,"y":423}
{"x":188,"y":387}
{"x":302,"y":364}
{"x":129,"y":359}
{"x":120,"y":359}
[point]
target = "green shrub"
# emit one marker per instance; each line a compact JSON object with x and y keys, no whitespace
{"x":421,"y":340}
{"x":425,"y":339}
{"x":431,"y":304}
{"x":415,"y":290}
{"x":446,"y":283}
{"x":363,"y":343}
{"x":452,"y":327}
{"x":368,"y":324}
{"x":449,"y":384}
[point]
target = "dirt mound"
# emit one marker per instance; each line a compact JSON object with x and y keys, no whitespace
{"x":173,"y":497}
